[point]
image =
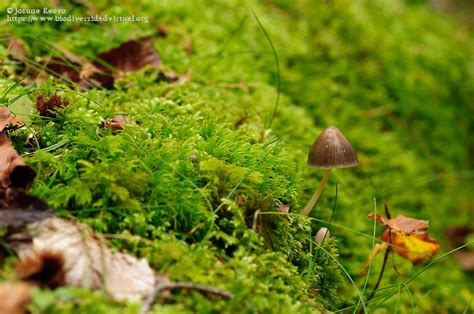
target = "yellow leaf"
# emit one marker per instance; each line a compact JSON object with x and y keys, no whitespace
{"x":377,"y":249}
{"x":416,"y":247}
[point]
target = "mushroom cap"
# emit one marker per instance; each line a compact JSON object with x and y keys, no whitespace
{"x":332,"y":150}
{"x":323,"y":233}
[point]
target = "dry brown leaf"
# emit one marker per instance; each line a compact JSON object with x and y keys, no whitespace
{"x":402,"y":223}
{"x":283,"y":208}
{"x":88,"y":262}
{"x":14,"y":173}
{"x":45,"y":269}
{"x":64,"y":69}
{"x":130,"y":56}
{"x":17,"y":208}
{"x":7,"y":119}
{"x":109,"y":66}
{"x":117,"y":123}
{"x":15,"y":297}
{"x":163,"y":30}
{"x":17,"y":48}
{"x":175,"y":77}
{"x":465,"y":258}
{"x":69,"y":67}
{"x":456,"y":236}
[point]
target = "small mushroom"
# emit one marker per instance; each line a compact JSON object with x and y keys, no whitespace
{"x":322,"y":235}
{"x":330,"y":150}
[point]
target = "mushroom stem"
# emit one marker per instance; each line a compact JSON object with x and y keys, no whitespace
{"x":314,"y":198}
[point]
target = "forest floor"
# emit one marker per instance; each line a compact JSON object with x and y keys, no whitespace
{"x":193,"y":155}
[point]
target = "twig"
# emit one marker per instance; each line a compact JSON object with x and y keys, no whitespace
{"x":168,"y":286}
{"x":385,"y":259}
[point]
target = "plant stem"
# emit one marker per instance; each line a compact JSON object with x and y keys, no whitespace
{"x":167,"y":286}
{"x":314,"y":198}
{"x":385,"y":259}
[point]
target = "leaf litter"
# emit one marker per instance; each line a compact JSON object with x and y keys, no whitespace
{"x":9,"y":120}
{"x":407,"y":237}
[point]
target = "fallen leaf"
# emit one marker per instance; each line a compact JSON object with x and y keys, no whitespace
{"x":64,"y":69}
{"x":379,"y":247}
{"x":44,"y":269}
{"x":70,"y":68}
{"x":130,"y":56}
{"x":284,"y":208}
{"x":7,"y":119}
{"x":416,"y":247}
{"x":408,"y":238}
{"x":109,"y":66}
{"x":456,"y":236}
{"x":17,"y":48}
{"x":163,"y":30}
{"x":465,"y":258}
{"x":176,"y":78}
{"x":15,"y":297}
{"x":88,"y":70}
{"x":117,"y":123}
{"x":20,"y":209}
{"x":14,"y":173}
{"x":402,"y":223}
{"x":88,"y":261}
{"x":47,"y":107}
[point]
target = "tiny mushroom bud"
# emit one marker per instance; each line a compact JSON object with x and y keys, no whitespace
{"x":322,"y":235}
{"x":330,"y":150}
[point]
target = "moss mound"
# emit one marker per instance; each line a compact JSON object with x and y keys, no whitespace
{"x":195,"y":181}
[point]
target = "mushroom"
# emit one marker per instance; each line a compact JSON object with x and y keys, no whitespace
{"x":330,"y":150}
{"x":322,"y":234}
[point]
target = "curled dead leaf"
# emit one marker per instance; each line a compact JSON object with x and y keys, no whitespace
{"x":465,"y":258}
{"x":108,"y":66}
{"x":45,"y":269}
{"x":163,"y":30}
{"x":457,"y":236}
{"x":117,"y":123}
{"x":416,"y":247}
{"x":14,"y":173}
{"x":284,"y":208}
{"x":402,"y":223}
{"x":17,"y":208}
{"x":407,"y":237}
{"x":16,"y":48}
{"x":63,"y":68}
{"x":130,"y":56}
{"x":88,"y":261}
{"x":7,"y":119}
{"x":15,"y":297}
